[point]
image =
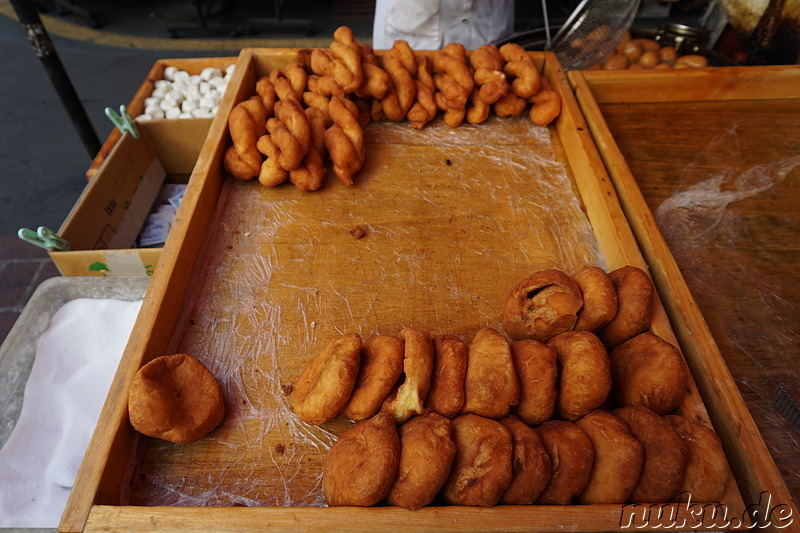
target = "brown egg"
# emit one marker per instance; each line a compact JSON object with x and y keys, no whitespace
{"x":633,"y":51}
{"x":649,"y":59}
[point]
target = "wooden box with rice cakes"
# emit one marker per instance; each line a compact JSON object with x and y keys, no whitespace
{"x":440,"y":224}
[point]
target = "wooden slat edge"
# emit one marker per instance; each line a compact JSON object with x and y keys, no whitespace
{"x":750,"y":459}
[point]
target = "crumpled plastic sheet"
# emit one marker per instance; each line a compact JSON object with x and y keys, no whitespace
{"x":453,"y":219}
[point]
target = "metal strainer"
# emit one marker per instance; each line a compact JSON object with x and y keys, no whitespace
{"x":592,"y":31}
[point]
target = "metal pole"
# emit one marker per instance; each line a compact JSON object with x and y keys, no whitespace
{"x":45,"y":51}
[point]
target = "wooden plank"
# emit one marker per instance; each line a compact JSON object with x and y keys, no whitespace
{"x":750,"y":459}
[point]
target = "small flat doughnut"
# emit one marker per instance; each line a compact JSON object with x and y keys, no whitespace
{"x":584,"y":373}
{"x":531,"y":464}
{"x":446,"y":396}
{"x":571,"y":454}
{"x":541,"y":306}
{"x":618,"y":458}
{"x":648,"y":371}
{"x":427,"y":451}
{"x":361,"y":466}
{"x":635,"y":295}
{"x":707,"y":472}
{"x":175,"y":398}
{"x":537,"y":371}
{"x":381,"y":366}
{"x":666,"y":456}
{"x":599,"y":299}
{"x":408,"y":399}
{"x":325,"y":385}
{"x":491,"y":385}
{"x":481,"y":470}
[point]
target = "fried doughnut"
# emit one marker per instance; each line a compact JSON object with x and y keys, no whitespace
{"x":487,"y":63}
{"x":345,"y":139}
{"x":707,"y":472}
{"x":509,"y":105}
{"x":427,"y":451}
{"x":175,"y":398}
{"x":266,"y":90}
{"x":648,"y":371}
{"x":271,"y":172}
{"x":246,"y":123}
{"x":531,"y":464}
{"x":361,"y":466}
{"x":346,"y":66}
{"x":408,"y":399}
{"x":514,"y":52}
{"x":572,"y":455}
{"x":400,"y":63}
{"x":536,"y":368}
{"x":635,"y":294}
{"x":482,"y":470}
{"x":546,"y":105}
{"x":491,"y":385}
{"x":666,"y":456}
{"x":478,"y":110}
{"x":541,"y":306}
{"x":446,"y":395}
{"x":325,"y":385}
{"x":309,"y":175}
{"x":381,"y":367}
{"x":526,"y":80}
{"x":424,"y":108}
{"x":618,"y":458}
{"x":284,"y":87}
{"x":290,"y":131}
{"x":584,"y":373}
{"x":454,"y":81}
{"x":599,"y":299}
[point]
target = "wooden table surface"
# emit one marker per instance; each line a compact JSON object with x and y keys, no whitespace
{"x":723,"y":181}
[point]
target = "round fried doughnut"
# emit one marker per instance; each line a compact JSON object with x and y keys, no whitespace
{"x":572,"y":454}
{"x":599,"y":299}
{"x":362,"y":465}
{"x":325,"y":385}
{"x":446,"y":396}
{"x":491,"y":385}
{"x":408,"y":399}
{"x":584,"y":373}
{"x":618,"y":458}
{"x":666,"y":456}
{"x":537,"y":371}
{"x":707,"y":471}
{"x":635,"y":294}
{"x":541,"y":306}
{"x":381,"y":367}
{"x":175,"y":398}
{"x":482,"y":469}
{"x":531,"y":464}
{"x":648,"y":371}
{"x":427,"y":451}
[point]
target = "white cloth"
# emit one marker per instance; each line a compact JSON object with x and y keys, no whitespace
{"x":431,"y":24}
{"x":75,"y":361}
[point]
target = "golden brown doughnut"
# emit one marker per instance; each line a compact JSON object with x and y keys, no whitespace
{"x":400,"y":63}
{"x":408,"y":399}
{"x":584,"y":373}
{"x":599,"y":299}
{"x":666,"y":456}
{"x":424,"y":108}
{"x":325,"y":385}
{"x":345,"y":139}
{"x":446,"y":395}
{"x":531,"y":464}
{"x":537,"y":371}
{"x":572,"y":454}
{"x":541,"y":306}
{"x":427,"y":451}
{"x":381,"y":367}
{"x":491,"y":385}
{"x":481,"y":471}
{"x":618,"y":458}
{"x":246,"y":123}
{"x":175,"y":398}
{"x":707,"y":472}
{"x":648,"y":371}
{"x":635,"y":294}
{"x":362,"y":465}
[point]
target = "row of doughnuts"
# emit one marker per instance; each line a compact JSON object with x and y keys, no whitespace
{"x":627,"y":455}
{"x":300,"y":116}
{"x":645,"y":54}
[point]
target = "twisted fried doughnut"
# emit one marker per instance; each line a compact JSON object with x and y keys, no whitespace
{"x":309,"y":175}
{"x":270,"y":173}
{"x":510,"y":105}
{"x":487,"y":63}
{"x":266,"y":90}
{"x":546,"y":105}
{"x":345,"y":139}
{"x":399,"y":62}
{"x":424,"y":108}
{"x":284,"y":87}
{"x":290,"y":132}
{"x":246,"y":124}
{"x":455,"y":82}
{"x":346,"y":67}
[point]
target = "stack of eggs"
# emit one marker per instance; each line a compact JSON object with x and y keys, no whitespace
{"x":183,"y":95}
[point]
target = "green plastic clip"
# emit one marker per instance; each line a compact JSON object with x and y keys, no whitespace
{"x":43,"y":238}
{"x":123,"y":121}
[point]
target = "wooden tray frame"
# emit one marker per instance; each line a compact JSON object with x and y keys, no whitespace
{"x":750,"y":459}
{"x":93,"y":502}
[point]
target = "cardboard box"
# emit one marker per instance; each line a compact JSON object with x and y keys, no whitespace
{"x":103,"y":225}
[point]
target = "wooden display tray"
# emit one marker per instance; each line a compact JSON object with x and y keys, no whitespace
{"x":646,"y":92}
{"x":203,"y":264}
